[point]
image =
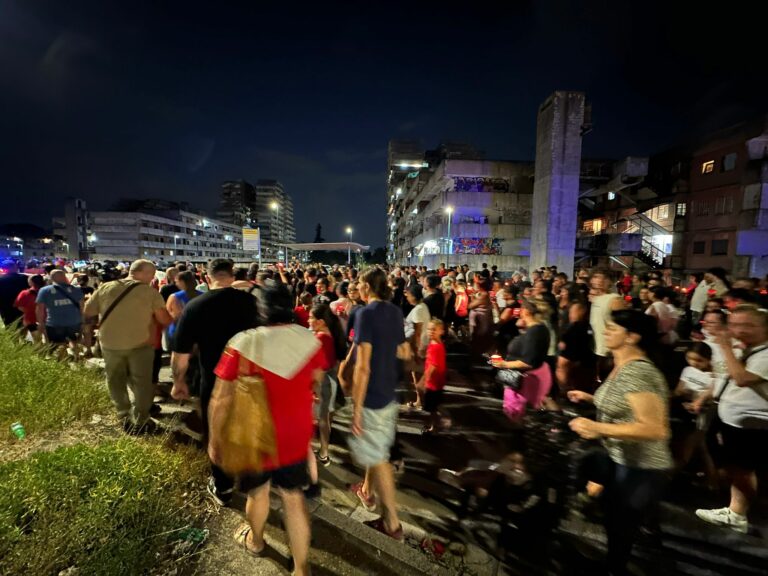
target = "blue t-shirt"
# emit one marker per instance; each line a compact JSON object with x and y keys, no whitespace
{"x":61,"y":311}
{"x":380,"y":324}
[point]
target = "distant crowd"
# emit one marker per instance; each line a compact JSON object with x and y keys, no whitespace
{"x":312,"y":338}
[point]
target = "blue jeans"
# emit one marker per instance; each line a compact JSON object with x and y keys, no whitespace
{"x":630,"y":497}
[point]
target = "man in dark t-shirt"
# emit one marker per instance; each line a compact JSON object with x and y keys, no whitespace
{"x":434,"y":298}
{"x":209,"y":322}
{"x":380,"y":341}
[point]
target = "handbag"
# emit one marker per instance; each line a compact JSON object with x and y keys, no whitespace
{"x":242,"y":433}
{"x":508,"y":378}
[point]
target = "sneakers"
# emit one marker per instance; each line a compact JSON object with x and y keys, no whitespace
{"x":725,"y":517}
{"x":368,"y":502}
{"x":221,"y":497}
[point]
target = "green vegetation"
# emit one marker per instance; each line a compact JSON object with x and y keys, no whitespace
{"x":111,"y":509}
{"x":43,"y":394}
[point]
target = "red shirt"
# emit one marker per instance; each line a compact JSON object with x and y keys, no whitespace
{"x":290,"y":399}
{"x":436,"y":359}
{"x":302,"y":316}
{"x":329,"y":350}
{"x":25,"y":301}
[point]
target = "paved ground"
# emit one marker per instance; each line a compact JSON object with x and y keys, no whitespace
{"x":432,"y":511}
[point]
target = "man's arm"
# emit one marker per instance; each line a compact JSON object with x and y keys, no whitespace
{"x":736,"y":369}
{"x":179,"y":367}
{"x":162,"y":317}
{"x":618,"y":303}
{"x":41,"y":314}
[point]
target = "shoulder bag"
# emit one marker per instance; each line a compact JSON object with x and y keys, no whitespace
{"x":117,"y":301}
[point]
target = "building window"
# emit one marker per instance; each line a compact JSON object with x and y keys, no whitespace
{"x":681,"y":209}
{"x":597,"y":226}
{"x":664,"y":212}
{"x":729,"y":162}
{"x":699,"y":247}
{"x":719,"y":247}
{"x":708,"y":167}
{"x":611,"y":195}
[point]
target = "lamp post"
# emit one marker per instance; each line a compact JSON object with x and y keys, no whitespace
{"x":349,"y":246}
{"x":276,"y":207}
{"x":449,"y":211}
{"x":175,"y":240}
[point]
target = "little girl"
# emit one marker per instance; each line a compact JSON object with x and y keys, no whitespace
{"x":696,"y":379}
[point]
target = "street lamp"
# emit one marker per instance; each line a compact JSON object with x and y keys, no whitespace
{"x":175,"y":238}
{"x":349,"y":246}
{"x":276,"y":207}
{"x":449,"y":211}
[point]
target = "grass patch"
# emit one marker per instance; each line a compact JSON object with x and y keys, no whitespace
{"x":43,"y":394}
{"x":109,"y":509}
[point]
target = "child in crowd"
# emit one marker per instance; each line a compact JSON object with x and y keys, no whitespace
{"x":461,"y":307}
{"x":433,"y":380}
{"x":301,"y":312}
{"x":696,"y":379}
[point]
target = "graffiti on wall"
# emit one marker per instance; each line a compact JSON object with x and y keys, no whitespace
{"x":472,"y":184}
{"x":488,"y":246}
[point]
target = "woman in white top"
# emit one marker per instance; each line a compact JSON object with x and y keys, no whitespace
{"x":417,"y":335}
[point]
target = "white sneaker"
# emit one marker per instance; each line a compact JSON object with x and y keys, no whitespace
{"x":724,"y":517}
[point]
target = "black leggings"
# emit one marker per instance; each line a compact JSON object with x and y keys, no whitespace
{"x":630,"y":497}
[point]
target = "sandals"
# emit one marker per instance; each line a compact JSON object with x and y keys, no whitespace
{"x":414,"y":405}
{"x":241,"y":537}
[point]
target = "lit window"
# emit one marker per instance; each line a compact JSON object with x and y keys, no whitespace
{"x":664,"y":212}
{"x":611,"y":195}
{"x":597,"y":226}
{"x":681,"y":209}
{"x":708,"y":167}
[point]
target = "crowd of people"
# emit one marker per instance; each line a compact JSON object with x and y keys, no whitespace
{"x":317,"y":337}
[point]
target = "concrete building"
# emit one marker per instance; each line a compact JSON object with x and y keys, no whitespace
{"x":725,"y":210}
{"x":560,"y":125}
{"x":237,"y":203}
{"x":273,"y":215}
{"x":72,"y":229}
{"x":264,"y":205}
{"x":695,"y":207}
{"x":450,"y":205}
{"x":158,"y":235}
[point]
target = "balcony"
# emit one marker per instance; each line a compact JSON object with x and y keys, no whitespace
{"x":610,"y":244}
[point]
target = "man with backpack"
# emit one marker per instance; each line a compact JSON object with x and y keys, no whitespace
{"x":59,"y":312}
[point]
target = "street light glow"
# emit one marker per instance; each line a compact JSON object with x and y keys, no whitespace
{"x":274,"y":205}
{"x":349,"y":230}
{"x":449,"y":209}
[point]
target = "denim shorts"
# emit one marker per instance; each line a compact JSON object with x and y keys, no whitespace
{"x":379,"y":427}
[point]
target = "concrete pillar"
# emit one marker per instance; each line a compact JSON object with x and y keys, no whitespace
{"x":556,"y":184}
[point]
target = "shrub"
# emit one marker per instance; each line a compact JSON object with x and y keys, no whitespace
{"x":44,"y":394}
{"x":109,"y":509}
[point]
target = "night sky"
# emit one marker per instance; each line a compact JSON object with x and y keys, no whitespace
{"x":103,"y":100}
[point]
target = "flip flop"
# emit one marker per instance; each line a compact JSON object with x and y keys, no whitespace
{"x":241,"y":537}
